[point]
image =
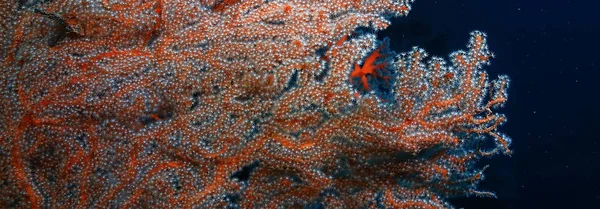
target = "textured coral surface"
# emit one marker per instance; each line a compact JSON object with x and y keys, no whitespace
{"x":249,"y":104}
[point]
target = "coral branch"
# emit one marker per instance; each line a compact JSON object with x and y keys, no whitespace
{"x":251,"y":104}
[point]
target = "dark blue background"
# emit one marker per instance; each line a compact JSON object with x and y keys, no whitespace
{"x":550,"y":50}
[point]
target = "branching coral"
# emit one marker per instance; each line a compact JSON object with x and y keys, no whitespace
{"x":207,"y":104}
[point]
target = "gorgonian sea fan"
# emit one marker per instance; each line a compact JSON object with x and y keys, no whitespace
{"x":250,"y":104}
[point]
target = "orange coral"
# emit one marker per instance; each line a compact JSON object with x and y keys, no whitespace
{"x":370,"y":68}
{"x":208,"y":104}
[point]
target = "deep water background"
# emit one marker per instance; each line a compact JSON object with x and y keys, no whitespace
{"x":551,"y":51}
